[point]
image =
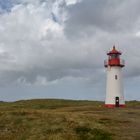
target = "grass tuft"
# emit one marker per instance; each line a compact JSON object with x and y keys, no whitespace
{"x":86,"y":133}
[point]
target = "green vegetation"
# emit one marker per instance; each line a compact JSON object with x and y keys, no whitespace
{"x":86,"y":133}
{"x":68,"y":120}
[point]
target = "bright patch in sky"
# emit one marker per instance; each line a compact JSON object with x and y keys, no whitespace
{"x":138,"y":34}
{"x":69,"y":2}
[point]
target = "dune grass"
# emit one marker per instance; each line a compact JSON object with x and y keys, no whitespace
{"x":68,"y":120}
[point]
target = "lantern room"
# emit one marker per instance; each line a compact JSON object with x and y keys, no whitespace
{"x":114,"y":58}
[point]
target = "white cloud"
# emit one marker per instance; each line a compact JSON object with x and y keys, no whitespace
{"x":35,"y":45}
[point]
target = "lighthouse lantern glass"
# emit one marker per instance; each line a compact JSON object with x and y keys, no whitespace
{"x":114,"y":56}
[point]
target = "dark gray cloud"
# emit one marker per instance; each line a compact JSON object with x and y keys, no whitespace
{"x":108,"y":22}
{"x":89,"y":16}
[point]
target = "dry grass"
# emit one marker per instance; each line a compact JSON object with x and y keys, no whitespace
{"x":68,"y":120}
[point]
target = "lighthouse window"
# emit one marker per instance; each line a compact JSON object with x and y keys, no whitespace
{"x":114,"y":56}
{"x":116,"y":77}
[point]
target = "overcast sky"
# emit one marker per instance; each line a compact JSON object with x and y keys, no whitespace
{"x":56,"y":48}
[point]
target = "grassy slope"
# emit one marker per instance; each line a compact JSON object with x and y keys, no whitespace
{"x":68,"y":120}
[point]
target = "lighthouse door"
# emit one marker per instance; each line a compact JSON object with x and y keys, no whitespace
{"x":117,"y":101}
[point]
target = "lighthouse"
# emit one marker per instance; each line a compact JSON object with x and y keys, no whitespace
{"x":114,"y":85}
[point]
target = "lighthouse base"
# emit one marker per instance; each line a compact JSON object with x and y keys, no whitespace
{"x":113,"y":105}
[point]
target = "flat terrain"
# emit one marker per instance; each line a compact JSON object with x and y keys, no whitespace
{"x":68,"y":120}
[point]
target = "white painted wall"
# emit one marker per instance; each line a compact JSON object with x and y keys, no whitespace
{"x":114,"y":87}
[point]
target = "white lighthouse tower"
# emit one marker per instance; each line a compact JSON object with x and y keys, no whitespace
{"x":114,"y":87}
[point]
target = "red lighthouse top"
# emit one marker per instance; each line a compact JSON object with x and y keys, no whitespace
{"x":114,"y":58}
{"x":114,"y":51}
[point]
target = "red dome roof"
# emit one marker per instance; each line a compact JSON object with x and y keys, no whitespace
{"x":114,"y":51}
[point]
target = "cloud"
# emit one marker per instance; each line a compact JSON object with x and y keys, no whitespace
{"x":50,"y":42}
{"x":110,"y":16}
{"x":33,"y":45}
{"x":107,"y":23}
